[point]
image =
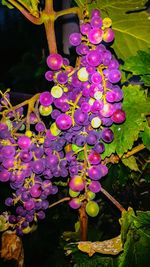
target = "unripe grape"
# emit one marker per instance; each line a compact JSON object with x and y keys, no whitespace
{"x":92,"y":208}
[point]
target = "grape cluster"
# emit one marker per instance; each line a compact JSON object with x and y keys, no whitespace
{"x":83,"y":103}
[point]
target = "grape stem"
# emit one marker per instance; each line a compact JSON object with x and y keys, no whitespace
{"x":30,"y":102}
{"x":59,"y":201}
{"x":47,"y":16}
{"x":113,"y":200}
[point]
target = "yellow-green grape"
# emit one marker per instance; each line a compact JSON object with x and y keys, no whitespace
{"x":98,"y":95}
{"x":56,"y":91}
{"x":54,"y":130}
{"x":96,"y":122}
{"x":45,"y":111}
{"x":91,"y":101}
{"x":90,"y":195}
{"x":107,"y":22}
{"x":28,"y":133}
{"x":83,"y":74}
{"x":92,"y":208}
{"x":73,"y":193}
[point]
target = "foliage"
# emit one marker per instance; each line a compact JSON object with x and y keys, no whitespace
{"x":139,"y":65}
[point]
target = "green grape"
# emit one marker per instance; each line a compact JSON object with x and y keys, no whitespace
{"x":45,"y":111}
{"x":92,"y":208}
{"x":56,"y":91}
{"x":73,"y":193}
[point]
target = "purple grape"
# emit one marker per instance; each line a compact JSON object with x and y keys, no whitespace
{"x":75,"y":39}
{"x":94,"y":172}
{"x":49,"y":75}
{"x":114,"y":76}
{"x":96,"y":22}
{"x":54,"y":61}
{"x":75,"y":203}
{"x":46,"y":99}
{"x":26,"y":155}
{"x":29,"y":205}
{"x":38,"y":166}
{"x":64,"y":122}
{"x":62,"y":78}
{"x":85,"y":28}
{"x":107,"y":135}
{"x":95,"y":35}
{"x":35,"y":190}
{"x":41,"y":215}
{"x":118,"y":116}
{"x":4,"y":176}
{"x":40,"y":127}
{"x":8,"y":151}
{"x":95,"y":186}
{"x":93,"y":58}
{"x":24,"y":142}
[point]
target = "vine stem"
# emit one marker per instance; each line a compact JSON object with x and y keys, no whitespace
{"x":113,"y":200}
{"x":59,"y":201}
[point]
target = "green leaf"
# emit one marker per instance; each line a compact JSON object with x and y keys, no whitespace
{"x":146,"y":137}
{"x":131,"y":163}
{"x":136,"y":106}
{"x":146,"y":80}
{"x":137,"y":231}
{"x":139,"y":64}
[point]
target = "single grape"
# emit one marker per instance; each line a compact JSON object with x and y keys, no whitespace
{"x":54,"y":61}
{"x":92,"y":208}
{"x":46,"y":99}
{"x":118,"y":116}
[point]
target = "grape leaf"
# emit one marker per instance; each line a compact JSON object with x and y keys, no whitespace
{"x":136,"y":106}
{"x":146,"y":80}
{"x":136,"y":231}
{"x":139,"y":64}
{"x":146,"y":137}
{"x":131,"y":29}
{"x":131,"y":163}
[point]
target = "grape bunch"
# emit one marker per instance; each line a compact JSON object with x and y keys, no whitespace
{"x":83,"y":103}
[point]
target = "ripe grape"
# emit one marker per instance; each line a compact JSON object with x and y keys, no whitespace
{"x":54,"y":62}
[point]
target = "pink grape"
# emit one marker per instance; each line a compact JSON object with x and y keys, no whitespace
{"x":75,"y":39}
{"x":95,"y":186}
{"x":118,"y":116}
{"x":75,"y":203}
{"x":95,"y":35}
{"x":64,"y":122}
{"x":46,"y":99}
{"x":77,"y":183}
{"x":93,"y":58}
{"x":108,"y":35}
{"x":35,"y":190}
{"x":54,"y":61}
{"x":24,"y":142}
